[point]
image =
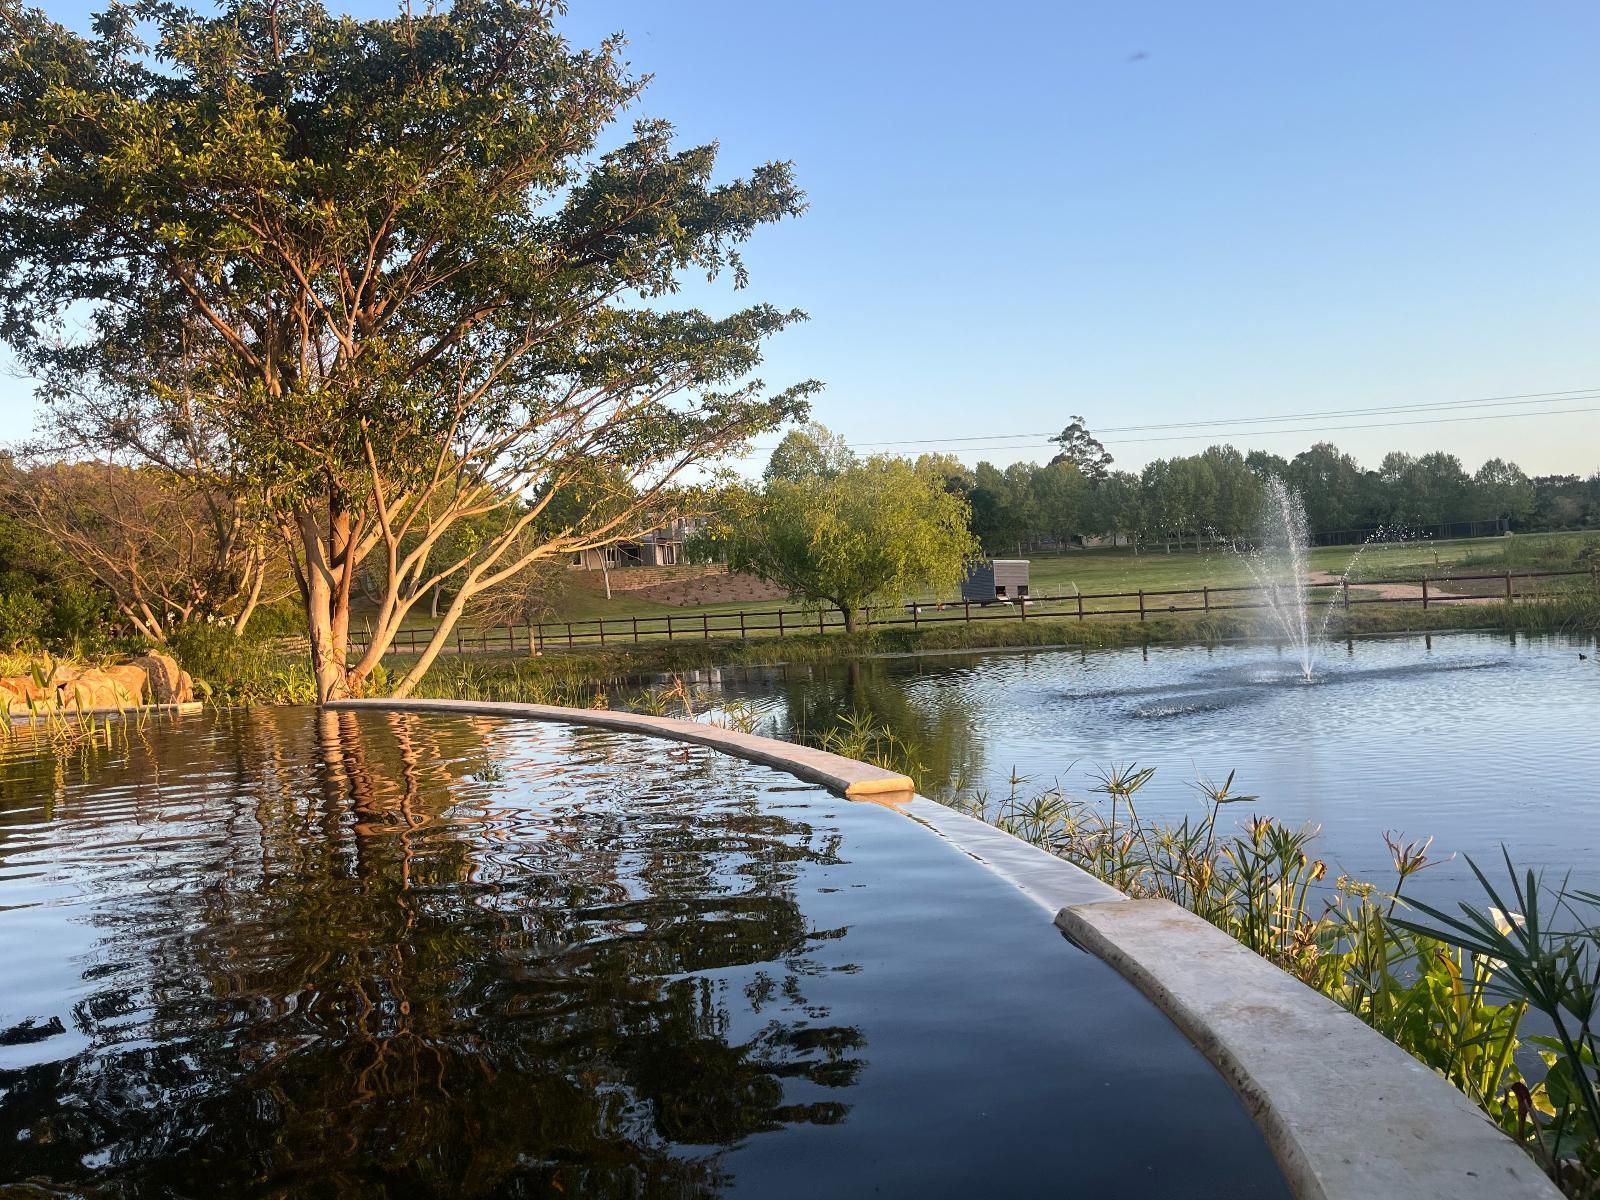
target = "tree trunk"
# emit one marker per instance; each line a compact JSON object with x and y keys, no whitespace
{"x":258,"y":562}
{"x":326,"y":588}
{"x":849,"y":618}
{"x":328,"y":653}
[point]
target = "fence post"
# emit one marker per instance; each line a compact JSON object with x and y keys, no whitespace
{"x":458,"y":639}
{"x":915,"y":609}
{"x":821,"y":618}
{"x":636,"y":631}
{"x":1508,"y":587}
{"x":1141,"y":604}
{"x":1205,"y":595}
{"x":669,"y":629}
{"x":966,"y":608}
{"x":741,"y":625}
{"x":569,"y":635}
{"x":602,"y":631}
{"x":1022,"y":607}
{"x":780,"y":622}
{"x":1424,"y":592}
{"x":1344,"y":585}
{"x":705,"y":626}
{"x":1080,"y":606}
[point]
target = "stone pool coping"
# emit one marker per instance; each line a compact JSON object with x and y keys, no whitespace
{"x":850,"y":778}
{"x":1347,"y":1114}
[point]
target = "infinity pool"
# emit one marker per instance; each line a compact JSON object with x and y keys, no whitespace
{"x":275,"y":953}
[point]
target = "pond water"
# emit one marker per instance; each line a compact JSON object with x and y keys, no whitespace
{"x":1475,"y":740}
{"x":274,"y":953}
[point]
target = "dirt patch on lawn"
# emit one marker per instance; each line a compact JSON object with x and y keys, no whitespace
{"x":708,"y":589}
{"x":713,"y":589}
{"x":1387,"y":591}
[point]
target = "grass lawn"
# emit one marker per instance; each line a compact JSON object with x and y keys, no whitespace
{"x":1121,"y":570}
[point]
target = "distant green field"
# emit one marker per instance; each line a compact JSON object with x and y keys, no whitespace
{"x":1153,"y":570}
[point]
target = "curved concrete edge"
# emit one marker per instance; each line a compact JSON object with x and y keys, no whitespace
{"x":1349,"y":1114}
{"x":1047,"y":879}
{"x":186,"y":708}
{"x":845,"y":776}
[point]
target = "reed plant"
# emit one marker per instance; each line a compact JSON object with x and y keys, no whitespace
{"x":1539,"y":947}
{"x":859,"y":735}
{"x":1452,"y":991}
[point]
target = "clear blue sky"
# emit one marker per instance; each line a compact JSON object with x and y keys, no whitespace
{"x":1152,"y":213}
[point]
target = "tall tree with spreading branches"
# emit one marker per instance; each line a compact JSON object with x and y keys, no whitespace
{"x":387,"y":263}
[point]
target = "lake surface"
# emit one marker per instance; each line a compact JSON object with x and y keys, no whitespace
{"x":280,"y":954}
{"x":1475,"y":740}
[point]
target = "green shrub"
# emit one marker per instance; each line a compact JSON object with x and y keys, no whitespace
{"x":244,"y":670}
{"x":1451,"y":991}
{"x":22,"y":617}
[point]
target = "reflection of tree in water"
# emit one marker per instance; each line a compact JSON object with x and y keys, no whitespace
{"x":935,"y":741}
{"x":373,"y":973}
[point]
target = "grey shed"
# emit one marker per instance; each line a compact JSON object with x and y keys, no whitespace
{"x":996,"y":579}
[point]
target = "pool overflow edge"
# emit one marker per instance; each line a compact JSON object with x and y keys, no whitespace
{"x":1347,"y":1114}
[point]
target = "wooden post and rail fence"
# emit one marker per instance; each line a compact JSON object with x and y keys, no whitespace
{"x":744,"y":624}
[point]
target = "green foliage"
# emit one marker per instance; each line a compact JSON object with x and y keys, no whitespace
{"x":43,"y":605}
{"x":385,"y":261}
{"x":1451,"y":990}
{"x":242,"y":670}
{"x":22,"y":615}
{"x":847,"y":534}
{"x":1081,"y":450}
{"x":1216,"y":495}
{"x":1539,"y":947}
{"x":814,"y":452}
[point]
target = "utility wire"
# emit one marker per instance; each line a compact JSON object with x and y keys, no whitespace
{"x":1521,"y":398}
{"x":1210,"y":436}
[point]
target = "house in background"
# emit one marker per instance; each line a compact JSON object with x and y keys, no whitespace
{"x":661,"y":547}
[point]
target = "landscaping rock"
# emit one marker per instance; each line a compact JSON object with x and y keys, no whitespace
{"x":17,"y":690}
{"x":169,"y":684}
{"x":151,"y":679}
{"x":103,"y":689}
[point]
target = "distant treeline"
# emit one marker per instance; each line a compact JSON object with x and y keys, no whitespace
{"x":1218,"y":494}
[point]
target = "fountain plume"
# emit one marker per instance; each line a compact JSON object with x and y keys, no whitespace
{"x":1278,"y":566}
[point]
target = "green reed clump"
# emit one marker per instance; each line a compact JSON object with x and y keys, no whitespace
{"x":858,"y":734}
{"x":679,"y":699}
{"x":68,"y":730}
{"x":1453,"y":994}
{"x":1539,"y":948}
{"x":462,"y":678}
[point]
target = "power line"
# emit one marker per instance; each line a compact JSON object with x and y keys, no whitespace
{"x":1518,"y":398}
{"x":1210,"y":436}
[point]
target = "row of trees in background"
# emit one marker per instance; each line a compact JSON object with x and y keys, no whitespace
{"x":835,"y":529}
{"x":1218,"y":494}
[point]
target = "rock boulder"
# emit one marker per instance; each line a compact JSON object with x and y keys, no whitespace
{"x":168,"y":683}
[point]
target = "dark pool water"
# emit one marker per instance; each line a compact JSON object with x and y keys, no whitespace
{"x":276,"y":954}
{"x":1475,"y":740}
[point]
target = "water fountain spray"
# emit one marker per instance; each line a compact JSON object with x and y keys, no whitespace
{"x":1279,"y":565}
